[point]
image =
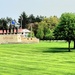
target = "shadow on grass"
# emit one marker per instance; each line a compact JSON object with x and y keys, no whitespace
{"x":57,"y":50}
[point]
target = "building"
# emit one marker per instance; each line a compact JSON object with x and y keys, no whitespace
{"x":15,"y":34}
{"x":23,"y":32}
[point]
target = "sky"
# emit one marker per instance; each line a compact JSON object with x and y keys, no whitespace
{"x":14,"y":8}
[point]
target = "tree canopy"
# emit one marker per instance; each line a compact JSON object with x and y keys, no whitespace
{"x":66,"y":28}
{"x":46,"y":28}
{"x":26,"y":20}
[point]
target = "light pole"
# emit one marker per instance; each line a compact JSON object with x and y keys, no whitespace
{"x":31,"y":30}
{"x":21,"y":21}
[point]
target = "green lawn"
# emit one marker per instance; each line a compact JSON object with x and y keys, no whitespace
{"x":44,"y":58}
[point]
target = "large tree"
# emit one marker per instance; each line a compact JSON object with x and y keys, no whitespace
{"x":40,"y":33}
{"x":47,"y":26}
{"x":66,"y":28}
{"x":39,"y":18}
{"x":23,"y":19}
{"x":54,"y":20}
{"x":33,"y":22}
{"x":34,"y":27}
{"x":31,"y":19}
{"x":43,"y":31}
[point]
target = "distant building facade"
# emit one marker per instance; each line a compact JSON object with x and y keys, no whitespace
{"x":23,"y":32}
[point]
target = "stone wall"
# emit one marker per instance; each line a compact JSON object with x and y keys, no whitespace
{"x":29,"y":40}
{"x":10,"y":38}
{"x":16,"y":38}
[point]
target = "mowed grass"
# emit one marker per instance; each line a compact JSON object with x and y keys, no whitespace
{"x":44,"y":58}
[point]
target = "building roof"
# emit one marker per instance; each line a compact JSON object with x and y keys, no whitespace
{"x":25,"y":30}
{"x":19,"y":31}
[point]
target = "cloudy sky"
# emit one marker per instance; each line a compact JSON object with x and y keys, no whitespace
{"x":13,"y":8}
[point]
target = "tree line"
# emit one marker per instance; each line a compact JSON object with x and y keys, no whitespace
{"x":54,"y":28}
{"x":42,"y":26}
{"x":47,"y":28}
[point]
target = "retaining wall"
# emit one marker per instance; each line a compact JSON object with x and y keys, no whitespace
{"x":16,"y":38}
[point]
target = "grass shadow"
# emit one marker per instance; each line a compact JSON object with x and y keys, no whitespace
{"x":57,"y":50}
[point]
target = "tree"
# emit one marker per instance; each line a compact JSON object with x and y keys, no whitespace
{"x":34,"y":27}
{"x":24,"y":18}
{"x":8,"y":19}
{"x":54,"y":20}
{"x":3,"y":24}
{"x":48,"y":25}
{"x":39,"y":18}
{"x":66,"y":28}
{"x":31,"y":19}
{"x":43,"y":31}
{"x":40,"y":33}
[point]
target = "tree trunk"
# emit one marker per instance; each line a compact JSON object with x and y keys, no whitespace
{"x":16,"y":30}
{"x":9,"y":31}
{"x":74,"y":44}
{"x":3,"y":31}
{"x":13,"y":30}
{"x":6,"y":31}
{"x":69,"y":45}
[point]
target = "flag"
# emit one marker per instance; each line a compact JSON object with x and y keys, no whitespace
{"x":13,"y":22}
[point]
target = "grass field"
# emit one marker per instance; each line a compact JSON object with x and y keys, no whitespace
{"x":44,"y":58}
